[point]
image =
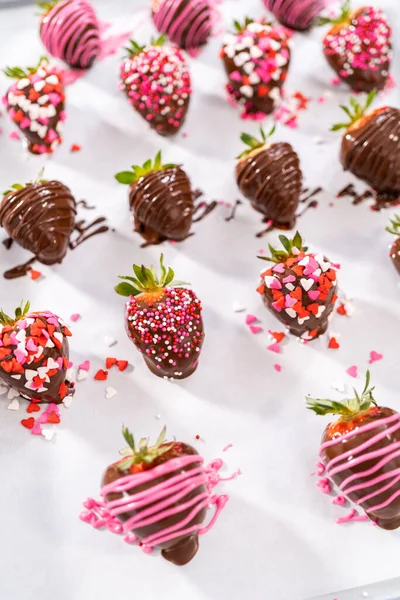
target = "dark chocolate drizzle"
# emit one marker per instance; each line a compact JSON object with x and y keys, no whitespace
{"x":84,"y":231}
{"x":182,"y":549}
{"x":234,"y":208}
{"x":271,"y":179}
{"x":371,"y":151}
{"x":20,"y":270}
{"x":85,"y":204}
{"x":7,"y":243}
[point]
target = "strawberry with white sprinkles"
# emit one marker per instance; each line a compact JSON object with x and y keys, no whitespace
{"x":358,"y":47}
{"x":256,"y":59}
{"x":34,"y":355}
{"x":35,"y":104}
{"x":156,"y":80}
{"x":163,"y":320}
{"x":300,"y":289}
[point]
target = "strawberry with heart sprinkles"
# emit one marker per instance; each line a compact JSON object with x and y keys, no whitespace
{"x":34,"y":355}
{"x":35,"y":103}
{"x":300,"y":289}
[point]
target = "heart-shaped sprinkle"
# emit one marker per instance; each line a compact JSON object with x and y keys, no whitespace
{"x":28,"y":423}
{"x":279,"y":268}
{"x":110,"y":392}
{"x":101,"y":375}
{"x":333,"y":344}
{"x":302,"y":320}
{"x":14,"y":404}
{"x":43,"y":418}
{"x":278,"y":368}
{"x":3,"y":390}
{"x":321,"y":309}
{"x":352,"y":371}
{"x":53,"y":418}
{"x":277,"y":335}
{"x":33,"y":407}
{"x":75,"y":317}
{"x":67,"y":401}
{"x":109,"y":341}
{"x":48,"y":434}
{"x":275,"y":347}
{"x":290,"y":286}
{"x":306,"y":284}
{"x":85,"y":366}
{"x":81,"y":375}
{"x":237,"y":307}
{"x":374,"y":357}
{"x":250,"y":319}
{"x":34,"y":274}
{"x":313,"y":294}
{"x":289,"y":279}
{"x":122,"y":364}
{"x":289,"y":301}
{"x":36,"y":429}
{"x":272,"y":283}
{"x":292,"y":313}
{"x":12,"y":394}
{"x":255,"y":329}
{"x":339,"y":500}
{"x":110,"y":361}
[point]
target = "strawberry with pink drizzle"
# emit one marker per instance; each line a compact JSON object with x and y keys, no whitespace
{"x":358,"y":47}
{"x":70,"y":31}
{"x":158,"y":496}
{"x":256,"y":59}
{"x":34,"y":355}
{"x":361,"y":454}
{"x":156,"y":80}
{"x":187,"y":23}
{"x":300,"y":289}
{"x":35,"y":103}
{"x":296,"y":14}
{"x":163,"y":320}
{"x":394,"y":228}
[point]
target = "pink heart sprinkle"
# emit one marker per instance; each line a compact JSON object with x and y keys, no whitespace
{"x":374,"y":356}
{"x":44,"y":418}
{"x":289,"y":301}
{"x":13,"y":135}
{"x":352,"y":371}
{"x":279,"y":268}
{"x":85,"y":366}
{"x":255,"y":329}
{"x":278,"y":368}
{"x":36,"y":429}
{"x":272,"y":283}
{"x":275,"y":347}
{"x":75,"y":317}
{"x":277,"y":306}
{"x":313,"y":294}
{"x":289,"y":279}
{"x":250,"y":319}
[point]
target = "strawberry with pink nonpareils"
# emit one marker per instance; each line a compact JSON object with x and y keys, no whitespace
{"x":35,"y":103}
{"x":158,"y":496}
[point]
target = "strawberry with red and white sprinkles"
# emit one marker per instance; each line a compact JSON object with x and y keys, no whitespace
{"x":35,"y":103}
{"x":300,"y":289}
{"x":164,"y":321}
{"x":256,"y":59}
{"x":156,"y":80}
{"x":358,"y":47}
{"x":34,"y":355}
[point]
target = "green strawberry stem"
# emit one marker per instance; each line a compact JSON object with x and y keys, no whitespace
{"x":253,"y":143}
{"x":142,"y":453}
{"x":147,"y":280}
{"x":19,"y":186}
{"x":344,"y":16}
{"x":239,"y":27}
{"x":134,"y":48}
{"x":394,"y":226}
{"x":18,"y":73}
{"x":346,"y":408}
{"x":129,"y":177}
{"x":46,"y":7}
{"x":20,"y":312}
{"x":356,"y":111}
{"x":291,"y":249}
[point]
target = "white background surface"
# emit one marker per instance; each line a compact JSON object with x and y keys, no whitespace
{"x":276,"y":539}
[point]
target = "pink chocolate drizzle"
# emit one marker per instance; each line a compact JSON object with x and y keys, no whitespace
{"x":160,"y":500}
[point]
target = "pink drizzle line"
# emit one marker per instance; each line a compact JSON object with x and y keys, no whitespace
{"x":300,"y":13}
{"x":349,"y":459}
{"x":159,"y":500}
{"x":197,"y":13}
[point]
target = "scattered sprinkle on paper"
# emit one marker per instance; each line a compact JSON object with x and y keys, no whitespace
{"x":101,"y":375}
{"x":352,"y":371}
{"x":374,"y":357}
{"x":48,"y":434}
{"x":256,"y":329}
{"x":81,"y":375}
{"x":237,"y":307}
{"x":33,"y":274}
{"x":14,"y":405}
{"x":278,"y":367}
{"x":250,"y":319}
{"x":28,"y":423}
{"x":68,"y":400}
{"x":75,"y":317}
{"x":111,"y":392}
{"x":276,"y":335}
{"x":341,"y":309}
{"x":13,"y":135}
{"x":226,"y":448}
{"x":109,"y":341}
{"x":75,"y":148}
{"x":85,"y":366}
{"x":275,"y":347}
{"x":333,"y":344}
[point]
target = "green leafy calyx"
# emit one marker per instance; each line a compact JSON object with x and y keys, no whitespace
{"x":345,"y":408}
{"x":46,"y":7}
{"x":356,"y":111}
{"x":20,"y":313}
{"x":344,"y":16}
{"x":18,"y":73}
{"x":394,"y":226}
{"x":241,"y":27}
{"x":291,"y":249}
{"x":19,"y":186}
{"x":129,"y":177}
{"x":253,"y":143}
{"x":134,"y":48}
{"x":142,"y":453}
{"x":147,"y":281}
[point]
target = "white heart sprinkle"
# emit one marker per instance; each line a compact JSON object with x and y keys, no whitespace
{"x":16,"y":376}
{"x":67,"y":401}
{"x":39,"y":85}
{"x":52,"y":364}
{"x":306,"y":284}
{"x":111,"y":392}
{"x":301,"y":321}
{"x":249,"y":67}
{"x":321,"y":309}
{"x":23,"y":83}
{"x":292,"y":313}
{"x":12,"y":394}
{"x":30,"y":374}
{"x":109,"y":341}
{"x":81,"y":375}
{"x":48,"y":434}
{"x":14,"y":405}
{"x":289,"y":286}
{"x":320,"y":260}
{"x":52,"y":79}
{"x":237,"y":307}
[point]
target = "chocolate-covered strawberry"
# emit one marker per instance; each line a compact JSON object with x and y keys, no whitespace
{"x":300,"y":289}
{"x":296,"y":14}
{"x":69,"y":29}
{"x":161,"y":200}
{"x":34,"y":354}
{"x":394,"y":228}
{"x":163,"y":320}
{"x":35,"y":103}
{"x":156,"y":80}
{"x":360,"y":451}
{"x":40,"y":217}
{"x":358,"y":47}
{"x":256,"y":59}
{"x":187,"y":23}
{"x":158,"y":496}
{"x":269,"y":175}
{"x":371,"y":147}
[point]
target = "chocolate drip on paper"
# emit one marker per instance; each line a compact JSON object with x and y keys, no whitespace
{"x":84,"y":231}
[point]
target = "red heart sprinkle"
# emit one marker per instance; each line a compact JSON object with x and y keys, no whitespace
{"x":34,"y":274}
{"x":28,"y":423}
{"x":333,"y":343}
{"x":33,"y":407}
{"x":278,"y":335}
{"x":53,"y":418}
{"x":122,"y":364}
{"x":101,"y":375}
{"x":341,"y":310}
{"x":110,"y":361}
{"x":75,"y":148}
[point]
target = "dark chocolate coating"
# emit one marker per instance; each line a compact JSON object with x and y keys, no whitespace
{"x":271,"y":179}
{"x":52,"y":393}
{"x":41,"y":218}
{"x":395,"y":254}
{"x":291,"y":15}
{"x":182,"y":549}
{"x":371,"y":151}
{"x":162,"y":205}
{"x":389,"y":516}
{"x":361,"y":80}
{"x":197,"y":26}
